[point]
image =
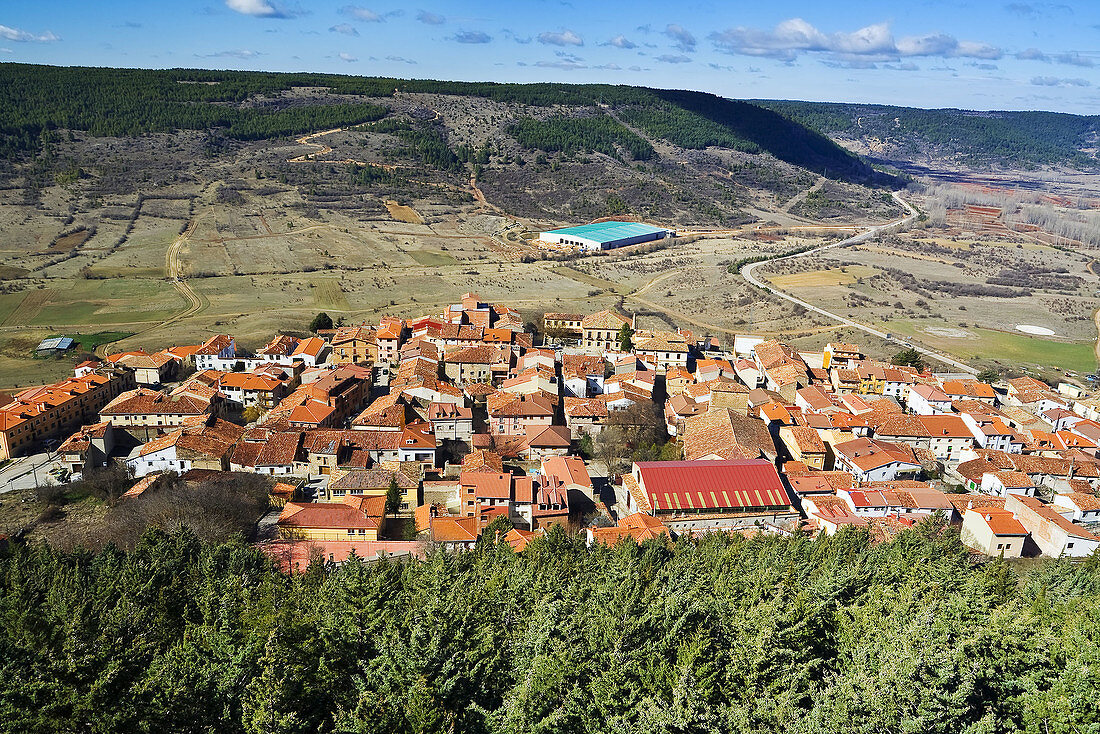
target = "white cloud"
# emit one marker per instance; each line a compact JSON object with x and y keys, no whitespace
{"x":364,"y":14}
{"x":400,"y":59}
{"x":561,"y":38}
{"x":344,"y":56}
{"x":621,"y":41}
{"x":17,"y":34}
{"x":1032,"y":54}
{"x":684,"y":40}
{"x":794,"y":36}
{"x":472,"y":37}
{"x":1074,"y":59}
{"x":257,"y":8}
{"x":1054,"y":81}
{"x":430,"y":18}
{"x":673,"y":58}
{"x":346,"y":28}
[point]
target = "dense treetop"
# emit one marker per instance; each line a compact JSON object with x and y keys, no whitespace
{"x":712,"y":635}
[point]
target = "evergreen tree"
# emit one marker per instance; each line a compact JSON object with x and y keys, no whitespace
{"x":320,"y":321}
{"x":626,"y":338}
{"x":393,"y":497}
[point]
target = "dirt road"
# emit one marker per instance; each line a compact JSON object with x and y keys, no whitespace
{"x":747,"y":274}
{"x":173,"y":270}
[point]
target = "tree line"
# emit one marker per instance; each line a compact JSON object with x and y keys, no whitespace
{"x":714,"y":634}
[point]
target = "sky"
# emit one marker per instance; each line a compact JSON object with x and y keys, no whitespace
{"x":973,"y":54}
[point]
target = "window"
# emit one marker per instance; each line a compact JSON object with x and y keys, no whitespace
{"x":1069,"y":545}
{"x":351,"y":531}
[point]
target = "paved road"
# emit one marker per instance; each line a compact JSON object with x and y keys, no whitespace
{"x":27,"y":472}
{"x":747,"y":274}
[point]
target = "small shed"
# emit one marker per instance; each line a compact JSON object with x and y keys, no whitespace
{"x":54,"y":345}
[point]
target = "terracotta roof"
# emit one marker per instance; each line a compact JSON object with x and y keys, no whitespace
{"x":281,"y":345}
{"x":585,"y":408}
{"x":519,"y":539}
{"x":1046,"y":512}
{"x":377,"y":478}
{"x":482,"y":460}
{"x":639,"y":527}
{"x":1083,"y":501}
{"x":728,"y":434}
{"x":551,"y":437}
{"x":448,"y":529}
{"x":565,"y":470}
{"x":969,"y":388}
{"x":354,"y":512}
{"x":808,"y":440}
{"x":143,"y":401}
{"x":280,"y":449}
{"x":214,"y":344}
{"x":868,"y":454}
{"x":486,"y":485}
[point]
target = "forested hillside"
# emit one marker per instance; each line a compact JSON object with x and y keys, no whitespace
{"x":714,"y":635}
{"x":126,"y":102}
{"x":1008,"y":138}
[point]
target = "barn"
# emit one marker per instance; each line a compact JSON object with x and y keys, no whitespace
{"x":605,"y":235}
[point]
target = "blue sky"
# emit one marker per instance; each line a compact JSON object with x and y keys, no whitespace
{"x":980,"y":54}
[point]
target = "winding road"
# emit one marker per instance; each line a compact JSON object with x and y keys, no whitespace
{"x":747,"y":274}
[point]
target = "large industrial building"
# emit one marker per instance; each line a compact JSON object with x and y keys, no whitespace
{"x":605,"y":235}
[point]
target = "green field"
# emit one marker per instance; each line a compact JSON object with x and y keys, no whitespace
{"x":89,"y":342}
{"x":1005,"y":347}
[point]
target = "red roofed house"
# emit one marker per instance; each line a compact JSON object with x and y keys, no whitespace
{"x":451,"y":422}
{"x":638,"y":527}
{"x":201,"y":444}
{"x":869,"y":460}
{"x":1055,"y":535}
{"x":89,"y":447}
{"x":701,"y":495}
{"x":358,"y":517}
{"x":1078,"y":506}
{"x":993,"y":531}
{"x":546,"y":441}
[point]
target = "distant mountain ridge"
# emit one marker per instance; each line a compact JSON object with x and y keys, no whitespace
{"x":967,"y":137}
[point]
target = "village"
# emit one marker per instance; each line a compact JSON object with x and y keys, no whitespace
{"x":382,"y":439}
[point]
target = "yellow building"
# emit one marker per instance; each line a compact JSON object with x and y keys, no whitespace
{"x":354,"y":345}
{"x":354,"y":518}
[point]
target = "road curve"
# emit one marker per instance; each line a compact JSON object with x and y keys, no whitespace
{"x":747,"y":274}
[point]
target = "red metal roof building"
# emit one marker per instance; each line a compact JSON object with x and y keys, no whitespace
{"x":711,"y":487}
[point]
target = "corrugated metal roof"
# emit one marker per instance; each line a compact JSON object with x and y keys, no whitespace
{"x":608,"y":231}
{"x":712,"y":485}
{"x":57,"y":342}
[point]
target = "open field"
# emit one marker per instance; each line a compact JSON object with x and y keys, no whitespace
{"x":963,"y":288}
{"x":844,"y":275}
{"x":1007,"y":349}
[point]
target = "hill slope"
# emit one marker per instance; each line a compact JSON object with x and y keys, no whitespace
{"x":965,"y":137}
{"x":550,"y":152}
